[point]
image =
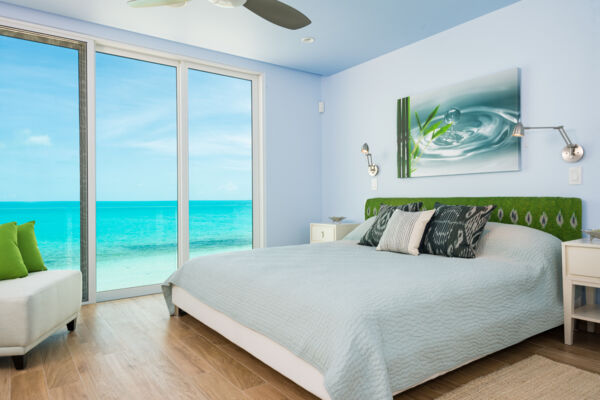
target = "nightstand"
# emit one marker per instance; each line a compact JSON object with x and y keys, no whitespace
{"x":324,"y":232}
{"x":580,"y":266}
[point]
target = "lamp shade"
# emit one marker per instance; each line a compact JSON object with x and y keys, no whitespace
{"x":518,"y":130}
{"x":365,"y":149}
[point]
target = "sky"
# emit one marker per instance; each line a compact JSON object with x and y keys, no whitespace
{"x":136,"y":127}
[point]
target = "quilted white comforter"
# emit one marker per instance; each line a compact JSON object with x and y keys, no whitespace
{"x":375,"y":323}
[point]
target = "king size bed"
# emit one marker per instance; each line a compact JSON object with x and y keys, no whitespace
{"x":345,"y":321}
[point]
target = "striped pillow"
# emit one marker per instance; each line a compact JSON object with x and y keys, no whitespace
{"x":404,"y":232}
{"x":373,"y":235}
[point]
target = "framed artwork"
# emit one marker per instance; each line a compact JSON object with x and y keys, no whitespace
{"x":464,"y":128}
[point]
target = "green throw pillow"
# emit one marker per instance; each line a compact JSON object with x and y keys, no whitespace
{"x":11,"y":262}
{"x":29,"y":248}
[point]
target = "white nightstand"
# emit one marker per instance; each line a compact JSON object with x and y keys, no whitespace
{"x":324,"y":232}
{"x":581,"y":266}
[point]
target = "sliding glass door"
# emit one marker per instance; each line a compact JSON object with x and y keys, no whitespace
{"x":220,"y":163}
{"x":129,"y":163}
{"x":43,"y":134}
{"x":136,"y":172}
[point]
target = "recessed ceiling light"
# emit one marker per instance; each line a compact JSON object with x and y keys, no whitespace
{"x":308,"y":39}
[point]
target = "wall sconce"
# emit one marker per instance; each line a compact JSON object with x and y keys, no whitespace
{"x":570,"y":153}
{"x":373,"y":169}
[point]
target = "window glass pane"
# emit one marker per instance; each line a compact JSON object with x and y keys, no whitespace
{"x":136,"y":172}
{"x":220,"y":163}
{"x":39,"y":145}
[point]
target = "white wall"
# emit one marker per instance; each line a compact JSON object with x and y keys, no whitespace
{"x":292,"y":124}
{"x":556,"y":44}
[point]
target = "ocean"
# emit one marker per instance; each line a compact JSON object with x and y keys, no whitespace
{"x":136,"y":241}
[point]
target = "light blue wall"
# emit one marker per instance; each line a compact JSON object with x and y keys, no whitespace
{"x":556,"y":44}
{"x":292,"y":124}
{"x":314,"y":166}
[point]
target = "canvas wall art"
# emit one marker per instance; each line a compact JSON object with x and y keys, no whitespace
{"x":461,"y":129}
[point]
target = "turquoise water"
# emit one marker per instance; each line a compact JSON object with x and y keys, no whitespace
{"x":136,"y":241}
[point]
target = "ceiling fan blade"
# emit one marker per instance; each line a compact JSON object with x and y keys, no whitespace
{"x":278,"y":13}
{"x":155,"y":3}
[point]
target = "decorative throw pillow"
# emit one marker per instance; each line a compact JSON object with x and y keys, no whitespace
{"x":455,"y":230}
{"x":372,"y":236}
{"x":404,"y":232}
{"x":29,"y":248}
{"x":11,"y":262}
{"x":360,"y":230}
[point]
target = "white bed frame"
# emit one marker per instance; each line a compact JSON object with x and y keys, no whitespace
{"x":271,"y":353}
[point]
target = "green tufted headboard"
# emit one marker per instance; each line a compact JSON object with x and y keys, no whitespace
{"x":559,"y":216}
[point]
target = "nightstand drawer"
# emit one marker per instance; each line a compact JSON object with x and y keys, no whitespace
{"x":322,"y":233}
{"x":583,"y":261}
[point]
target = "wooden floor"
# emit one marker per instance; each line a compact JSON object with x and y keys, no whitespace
{"x":131,"y":349}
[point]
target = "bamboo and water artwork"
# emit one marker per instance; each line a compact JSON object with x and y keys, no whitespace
{"x":461,"y":129}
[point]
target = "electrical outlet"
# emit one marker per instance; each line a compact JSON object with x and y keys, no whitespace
{"x":373,"y":183}
{"x":575,"y":176}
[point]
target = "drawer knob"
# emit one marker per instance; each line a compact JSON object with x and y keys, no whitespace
{"x":322,"y":234}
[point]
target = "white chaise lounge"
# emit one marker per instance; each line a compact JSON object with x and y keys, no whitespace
{"x":34,"y":307}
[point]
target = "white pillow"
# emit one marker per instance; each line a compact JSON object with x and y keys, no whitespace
{"x":404,"y":232}
{"x":360,"y":230}
{"x":517,"y":242}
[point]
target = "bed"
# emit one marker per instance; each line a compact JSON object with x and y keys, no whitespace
{"x":347,"y":322}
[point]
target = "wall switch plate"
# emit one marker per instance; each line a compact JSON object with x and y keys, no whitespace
{"x":321,"y":107}
{"x":373,"y":183}
{"x":575,"y":176}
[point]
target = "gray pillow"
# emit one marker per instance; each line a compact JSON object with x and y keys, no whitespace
{"x":373,"y":235}
{"x":404,"y":232}
{"x":360,"y":230}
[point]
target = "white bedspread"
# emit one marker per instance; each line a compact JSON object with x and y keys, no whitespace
{"x":376,"y":322}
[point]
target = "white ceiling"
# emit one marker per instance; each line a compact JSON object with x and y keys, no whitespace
{"x":347,"y":32}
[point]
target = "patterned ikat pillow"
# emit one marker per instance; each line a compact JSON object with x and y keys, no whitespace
{"x":455,"y":230}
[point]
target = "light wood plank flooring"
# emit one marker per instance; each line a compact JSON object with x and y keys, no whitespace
{"x":132,"y":349}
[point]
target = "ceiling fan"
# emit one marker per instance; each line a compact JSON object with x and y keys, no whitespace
{"x":272,"y":10}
